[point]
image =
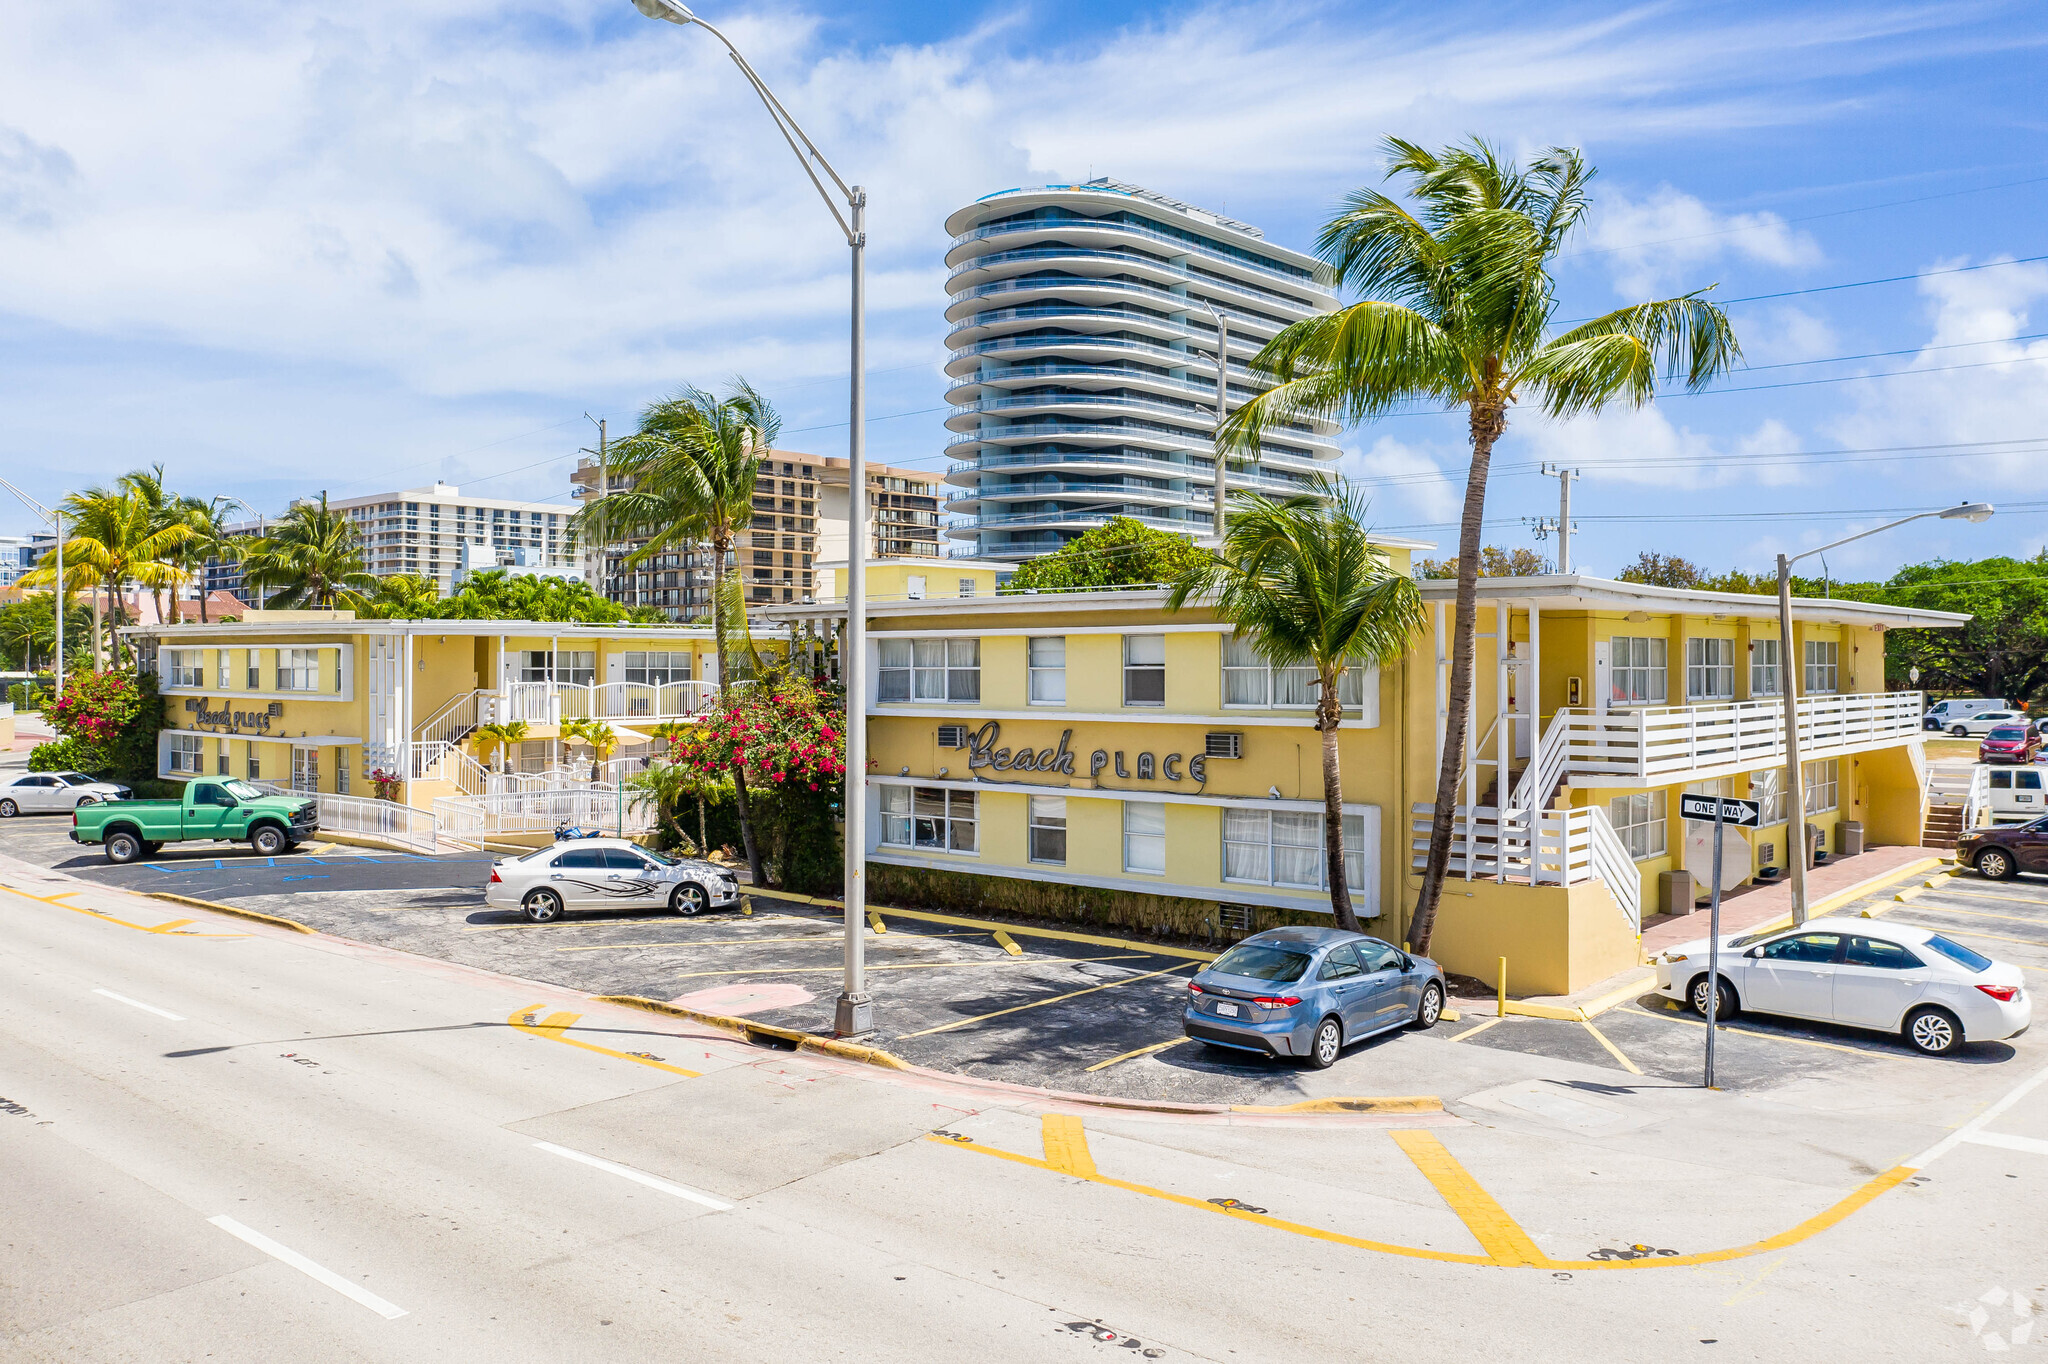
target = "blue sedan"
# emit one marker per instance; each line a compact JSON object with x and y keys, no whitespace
{"x":1309,"y":992}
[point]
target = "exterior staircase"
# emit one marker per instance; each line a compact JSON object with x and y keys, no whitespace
{"x":1955,"y":802}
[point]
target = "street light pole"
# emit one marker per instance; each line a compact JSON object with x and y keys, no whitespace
{"x":855,"y":1010}
{"x":1222,"y":411}
{"x":1790,"y":671}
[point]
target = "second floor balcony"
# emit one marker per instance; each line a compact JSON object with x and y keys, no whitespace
{"x":1659,"y":745}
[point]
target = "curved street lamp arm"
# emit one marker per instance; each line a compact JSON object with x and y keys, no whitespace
{"x":1875,"y":530}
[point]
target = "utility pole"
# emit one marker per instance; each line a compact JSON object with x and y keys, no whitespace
{"x":1563,"y":525}
{"x":1222,"y":411}
{"x":56,"y":520}
{"x":604,"y":488}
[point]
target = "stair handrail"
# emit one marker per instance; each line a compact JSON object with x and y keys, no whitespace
{"x":1547,"y":768}
{"x":1977,"y":800}
{"x":1615,"y":865}
{"x":456,"y":715}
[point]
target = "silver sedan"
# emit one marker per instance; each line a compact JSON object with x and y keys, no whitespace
{"x":607,"y":873}
{"x":35,"y":793}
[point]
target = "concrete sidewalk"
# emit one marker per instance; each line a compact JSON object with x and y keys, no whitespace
{"x":1761,"y":905}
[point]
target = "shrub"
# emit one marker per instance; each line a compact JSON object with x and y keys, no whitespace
{"x":111,"y":720}
{"x":63,"y":755}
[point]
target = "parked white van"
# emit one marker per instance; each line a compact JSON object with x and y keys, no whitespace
{"x":2016,"y":794}
{"x":1955,"y":708}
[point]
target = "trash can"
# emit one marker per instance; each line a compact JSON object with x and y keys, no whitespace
{"x":1816,"y":839}
{"x":1852,"y":837}
{"x":1674,"y":892}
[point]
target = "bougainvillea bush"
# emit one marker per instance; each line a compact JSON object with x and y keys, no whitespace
{"x":109,"y":723}
{"x":788,"y":736}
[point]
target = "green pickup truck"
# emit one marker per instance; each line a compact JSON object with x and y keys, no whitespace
{"x":220,"y":808}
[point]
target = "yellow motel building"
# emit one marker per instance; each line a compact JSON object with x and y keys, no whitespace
{"x":1092,"y":756}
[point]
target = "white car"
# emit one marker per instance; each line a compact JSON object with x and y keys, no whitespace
{"x":606,"y":873}
{"x":38,"y":793}
{"x":1861,"y":973}
{"x":1984,"y":721}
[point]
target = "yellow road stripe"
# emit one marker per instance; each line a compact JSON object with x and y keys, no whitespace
{"x":1767,"y":1036}
{"x":1982,"y":914}
{"x":1019,"y":1008}
{"x":1612,"y":1050}
{"x":104,"y":917}
{"x":1819,"y":1222}
{"x":555,"y":1028}
{"x":1141,"y":1051}
{"x":1639,"y":985}
{"x":1279,"y":1224}
{"x":1504,"y":1241}
{"x":1066,"y":1145}
{"x":1491,"y":1022}
{"x":911,"y":966}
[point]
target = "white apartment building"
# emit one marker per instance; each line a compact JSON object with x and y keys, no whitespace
{"x":438,"y":533}
{"x":1084,"y":354}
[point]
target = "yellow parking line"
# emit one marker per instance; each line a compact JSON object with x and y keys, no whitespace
{"x":1981,"y":914}
{"x":555,"y":1028}
{"x":1066,"y":1145}
{"x":832,"y":938}
{"x":1519,"y":1250}
{"x":916,"y":966}
{"x":1503,"y":1239}
{"x":1752,"y":1032}
{"x":1039,"y":1003}
{"x":104,"y":917}
{"x":1991,"y":937}
{"x":1141,"y":1051}
{"x":1612,"y":1050}
{"x":557,"y":926}
{"x":1989,"y":895}
{"x":1459,"y":1037}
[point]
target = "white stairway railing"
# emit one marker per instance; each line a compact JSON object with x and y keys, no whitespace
{"x":1977,"y":800}
{"x":461,"y":713}
{"x":385,"y":819}
{"x":1547,"y":768}
{"x":587,"y":805}
{"x":441,"y":761}
{"x":1543,"y":848}
{"x":1676,"y":741}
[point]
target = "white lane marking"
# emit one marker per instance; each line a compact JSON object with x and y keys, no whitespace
{"x":2031,"y":1144}
{"x":1970,"y":1129}
{"x":146,"y":1008}
{"x":625,"y":1172}
{"x":388,"y":1311}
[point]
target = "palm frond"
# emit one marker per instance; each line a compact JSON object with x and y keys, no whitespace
{"x":1619,"y":356}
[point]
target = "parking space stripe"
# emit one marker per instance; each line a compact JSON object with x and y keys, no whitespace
{"x":1981,"y":914}
{"x":1752,"y":1032}
{"x":1491,"y":1022}
{"x":832,"y":938}
{"x":1612,"y":1050}
{"x":1141,"y":1051}
{"x":1040,"y":1003}
{"x":1503,"y":1239}
{"x":921,"y":966}
{"x":1977,"y":1124}
{"x":555,"y":1028}
{"x":1989,"y":895}
{"x":318,"y":1273}
{"x":1066,"y":1145}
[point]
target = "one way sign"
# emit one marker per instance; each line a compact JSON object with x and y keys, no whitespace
{"x":1742,"y":812}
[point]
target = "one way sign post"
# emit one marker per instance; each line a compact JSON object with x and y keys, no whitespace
{"x":1723,"y":811}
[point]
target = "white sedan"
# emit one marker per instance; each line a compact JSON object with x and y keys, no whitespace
{"x":1984,"y":721}
{"x":606,"y":873}
{"x":41,"y":793}
{"x":1861,"y":973}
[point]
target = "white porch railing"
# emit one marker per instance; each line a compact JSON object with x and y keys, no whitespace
{"x":461,"y":713}
{"x":587,"y":805}
{"x":388,"y":820}
{"x":1676,"y":742}
{"x":550,"y":703}
{"x":443,"y":761}
{"x":1977,"y":800}
{"x":1543,"y":848}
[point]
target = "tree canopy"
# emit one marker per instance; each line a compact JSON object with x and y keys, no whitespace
{"x":494,"y":594}
{"x":1122,"y":552}
{"x":1494,"y":562}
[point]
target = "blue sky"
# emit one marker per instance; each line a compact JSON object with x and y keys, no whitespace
{"x":283,"y":247}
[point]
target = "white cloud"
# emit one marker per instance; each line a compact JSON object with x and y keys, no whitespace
{"x":1645,"y":448}
{"x":1407,"y":484}
{"x":1783,"y":334}
{"x":1995,"y":392}
{"x":1665,"y":242}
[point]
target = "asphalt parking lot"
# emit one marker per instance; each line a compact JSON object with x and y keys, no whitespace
{"x":1097,"y":1017}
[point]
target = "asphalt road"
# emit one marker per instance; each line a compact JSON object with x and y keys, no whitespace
{"x":227,"y":1142}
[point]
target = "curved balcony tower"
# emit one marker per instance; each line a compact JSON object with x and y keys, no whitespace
{"x":1083,"y":368}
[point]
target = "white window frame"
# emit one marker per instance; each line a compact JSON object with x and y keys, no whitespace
{"x":954,"y":825}
{"x":1144,"y":668}
{"x":1261,"y":686}
{"x":298,"y":669}
{"x":1767,"y":788}
{"x":1823,"y":659}
{"x":1640,"y":821}
{"x":1259,"y":862}
{"x":1144,"y":844}
{"x":674,"y":666}
{"x":305,"y":769}
{"x":1766,"y":678}
{"x":1045,"y":822}
{"x":185,"y":753}
{"x":577,"y":667}
{"x":1709,"y":668}
{"x":179,"y":673}
{"x":967,"y":587}
{"x":222,"y":667}
{"x":1046,"y":668}
{"x":1820,"y":784}
{"x":1638,"y":670}
{"x":914,"y":671}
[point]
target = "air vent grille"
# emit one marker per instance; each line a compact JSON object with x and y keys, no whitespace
{"x":952,"y":736}
{"x":1222,"y":745}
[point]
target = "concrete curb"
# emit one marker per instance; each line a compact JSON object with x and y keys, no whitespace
{"x":293,"y":924}
{"x":1015,"y":930}
{"x":748,"y":1031}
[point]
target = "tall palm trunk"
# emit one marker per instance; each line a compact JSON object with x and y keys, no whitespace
{"x":739,"y":776}
{"x":1329,"y":713}
{"x":99,"y":656}
{"x":1488,"y":420}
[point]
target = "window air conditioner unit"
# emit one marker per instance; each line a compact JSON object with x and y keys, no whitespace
{"x":1219,"y":745}
{"x":952,"y":736}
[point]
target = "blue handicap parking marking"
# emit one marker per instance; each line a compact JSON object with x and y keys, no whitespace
{"x":317,"y":877}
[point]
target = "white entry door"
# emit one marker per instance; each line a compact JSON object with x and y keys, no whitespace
{"x":1603,"y":674}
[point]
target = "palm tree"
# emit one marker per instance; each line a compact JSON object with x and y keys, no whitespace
{"x":314,"y":558}
{"x":115,"y":540}
{"x":406,"y":596}
{"x":601,"y":737}
{"x":211,"y":540}
{"x":1301,"y":580}
{"x":1457,"y":306}
{"x":498,"y":738}
{"x":691,"y":468}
